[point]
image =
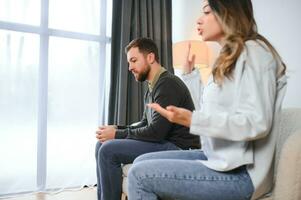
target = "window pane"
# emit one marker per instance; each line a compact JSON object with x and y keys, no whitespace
{"x":72,"y":112}
{"x":21,"y":11}
{"x":109,"y":18}
{"x":18,"y":111}
{"x":82,"y":16}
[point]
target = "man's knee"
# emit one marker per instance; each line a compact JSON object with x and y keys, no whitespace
{"x":107,"y":150}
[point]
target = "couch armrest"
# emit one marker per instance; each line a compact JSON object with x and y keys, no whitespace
{"x":288,"y":178}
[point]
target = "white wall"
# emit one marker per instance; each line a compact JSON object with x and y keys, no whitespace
{"x":278,"y":20}
{"x":184,"y":17}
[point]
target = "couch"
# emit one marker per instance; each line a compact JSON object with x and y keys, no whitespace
{"x":287,"y":159}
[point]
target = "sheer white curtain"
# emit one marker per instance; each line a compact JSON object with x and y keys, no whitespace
{"x":53,"y":87}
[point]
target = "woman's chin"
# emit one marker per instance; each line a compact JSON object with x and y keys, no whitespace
{"x":203,"y":38}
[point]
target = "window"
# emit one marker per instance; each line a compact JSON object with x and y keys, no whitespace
{"x":54,"y":79}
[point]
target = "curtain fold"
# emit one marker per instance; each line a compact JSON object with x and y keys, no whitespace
{"x":132,"y":19}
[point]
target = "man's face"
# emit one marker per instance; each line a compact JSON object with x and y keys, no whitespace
{"x":138,"y":64}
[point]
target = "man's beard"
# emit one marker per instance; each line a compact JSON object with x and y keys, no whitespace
{"x":142,"y":77}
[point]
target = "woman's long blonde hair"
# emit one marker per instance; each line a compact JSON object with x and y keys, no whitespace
{"x":237,"y":20}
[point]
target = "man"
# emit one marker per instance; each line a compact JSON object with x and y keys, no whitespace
{"x":121,"y":145}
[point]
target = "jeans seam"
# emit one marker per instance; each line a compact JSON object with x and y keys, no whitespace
{"x":204,"y":178}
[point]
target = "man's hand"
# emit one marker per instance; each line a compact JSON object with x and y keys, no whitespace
{"x":105,"y":133}
{"x":174,"y":114}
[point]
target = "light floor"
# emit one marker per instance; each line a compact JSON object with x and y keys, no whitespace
{"x":83,"y":194}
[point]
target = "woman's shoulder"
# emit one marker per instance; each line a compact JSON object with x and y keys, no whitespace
{"x":257,"y":54}
{"x":256,"y":48}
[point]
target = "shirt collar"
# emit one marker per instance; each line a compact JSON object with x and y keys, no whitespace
{"x":152,"y":84}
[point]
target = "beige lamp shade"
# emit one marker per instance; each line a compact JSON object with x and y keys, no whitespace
{"x":198,"y":48}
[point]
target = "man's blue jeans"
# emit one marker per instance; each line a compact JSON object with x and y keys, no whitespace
{"x":180,"y":175}
{"x":109,"y":157}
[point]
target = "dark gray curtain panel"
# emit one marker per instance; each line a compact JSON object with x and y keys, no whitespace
{"x":132,"y":19}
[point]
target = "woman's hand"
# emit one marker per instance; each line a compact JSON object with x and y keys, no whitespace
{"x":174,"y":114}
{"x":188,"y":66}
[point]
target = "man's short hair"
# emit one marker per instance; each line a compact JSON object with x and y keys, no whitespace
{"x":145,"y":46}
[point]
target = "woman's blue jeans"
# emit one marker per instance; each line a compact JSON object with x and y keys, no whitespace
{"x":180,"y":175}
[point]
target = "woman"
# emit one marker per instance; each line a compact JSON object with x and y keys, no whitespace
{"x":240,"y":106}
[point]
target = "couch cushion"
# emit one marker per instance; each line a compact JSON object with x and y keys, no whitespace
{"x":289,"y":123}
{"x":288,"y":179}
{"x":125,"y":170}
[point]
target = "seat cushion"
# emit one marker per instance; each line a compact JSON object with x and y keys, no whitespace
{"x":125,"y":170}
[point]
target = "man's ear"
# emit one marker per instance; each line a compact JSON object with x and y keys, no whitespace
{"x":151,"y":58}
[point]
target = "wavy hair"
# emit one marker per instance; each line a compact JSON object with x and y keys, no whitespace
{"x":238,"y":24}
